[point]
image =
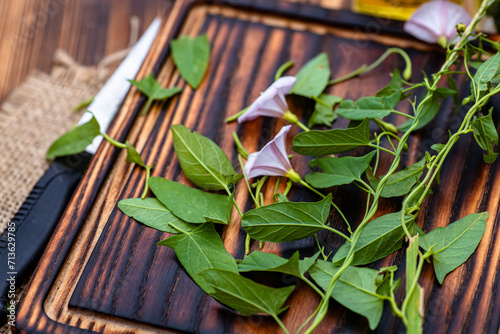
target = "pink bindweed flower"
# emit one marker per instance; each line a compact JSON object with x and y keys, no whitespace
{"x":272,"y":160}
{"x":435,"y":21}
{"x":272,"y":102}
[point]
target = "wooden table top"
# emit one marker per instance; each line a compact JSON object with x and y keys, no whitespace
{"x":31,"y":30}
{"x":78,"y":288}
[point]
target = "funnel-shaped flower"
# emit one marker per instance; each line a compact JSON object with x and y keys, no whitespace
{"x":272,"y":160}
{"x":435,"y":21}
{"x":272,"y":102}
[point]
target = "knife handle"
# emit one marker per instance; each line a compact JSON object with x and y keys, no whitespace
{"x":35,"y":221}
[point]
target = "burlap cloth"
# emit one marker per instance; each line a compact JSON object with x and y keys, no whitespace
{"x":37,"y":113}
{"x":32,"y":117}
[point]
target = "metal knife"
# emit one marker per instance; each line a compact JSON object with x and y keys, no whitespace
{"x":23,"y":242}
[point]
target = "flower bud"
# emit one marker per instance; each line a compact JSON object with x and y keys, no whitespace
{"x":460,"y":28}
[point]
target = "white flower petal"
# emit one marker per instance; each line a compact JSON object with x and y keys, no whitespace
{"x":435,"y":19}
{"x":272,"y":102}
{"x":272,"y":160}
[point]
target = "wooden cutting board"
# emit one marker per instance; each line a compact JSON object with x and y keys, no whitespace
{"x":103,"y":272}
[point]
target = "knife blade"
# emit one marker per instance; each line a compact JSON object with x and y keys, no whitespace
{"x":23,"y":242}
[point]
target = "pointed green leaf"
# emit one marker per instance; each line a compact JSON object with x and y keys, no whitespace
{"x":190,"y":204}
{"x":202,"y":160}
{"x":153,"y":213}
{"x":75,"y":141}
{"x":323,"y":110}
{"x":153,"y":89}
{"x":312,"y":79}
{"x":286,"y":221}
{"x":369,"y":107}
{"x":338,"y":171}
{"x":455,"y":243}
{"x":485,"y":133}
{"x":133,"y":156}
{"x":199,"y":250}
{"x":317,"y":143}
{"x":394,"y":86}
{"x":260,"y":261}
{"x":244,"y":295}
{"x":191,"y":56}
{"x":413,"y":313}
{"x":355,"y":289}
{"x":486,"y":72}
{"x":400,"y":183}
{"x":379,"y":238}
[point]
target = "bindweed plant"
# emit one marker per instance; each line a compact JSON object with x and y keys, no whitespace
{"x":190,"y":214}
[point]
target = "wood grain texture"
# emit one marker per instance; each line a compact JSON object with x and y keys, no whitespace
{"x":31,"y":30}
{"x":102,"y":271}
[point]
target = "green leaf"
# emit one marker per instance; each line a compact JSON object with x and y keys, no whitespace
{"x":75,"y":141}
{"x":191,"y":56}
{"x":379,"y":238}
{"x":355,"y":289}
{"x":260,"y":261}
{"x":317,"y":143}
{"x":438,"y":147}
{"x":199,"y":250}
{"x":190,"y":204}
{"x":455,"y":243}
{"x":279,"y":197}
{"x":394,"y":86}
{"x":486,"y":72}
{"x":202,"y":160}
{"x":400,"y":183}
{"x":244,"y":295}
{"x":338,"y":171}
{"x":323,"y":110}
{"x":385,"y":281}
{"x":153,"y":213}
{"x":286,"y":221}
{"x":369,"y":107}
{"x":133,"y":156}
{"x":413,"y":313}
{"x":153,"y":89}
{"x":485,"y":133}
{"x":312,"y":79}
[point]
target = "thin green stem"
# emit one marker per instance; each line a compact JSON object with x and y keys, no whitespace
{"x":402,"y":114}
{"x":282,"y":69}
{"x":288,"y":187}
{"x":239,"y":146}
{"x":381,"y":148}
{"x":280,"y":323}
{"x":147,"y":106}
{"x":313,"y":286}
{"x":276,"y":185}
{"x":114,"y":142}
{"x":246,"y":181}
{"x":366,"y":187}
{"x":331,"y":229}
{"x":146,"y":186}
{"x":358,"y":71}
{"x":302,"y":126}
{"x":235,"y":117}
{"x":413,"y":86}
{"x":308,"y":186}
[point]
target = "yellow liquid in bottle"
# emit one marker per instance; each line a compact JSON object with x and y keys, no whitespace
{"x":392,"y":9}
